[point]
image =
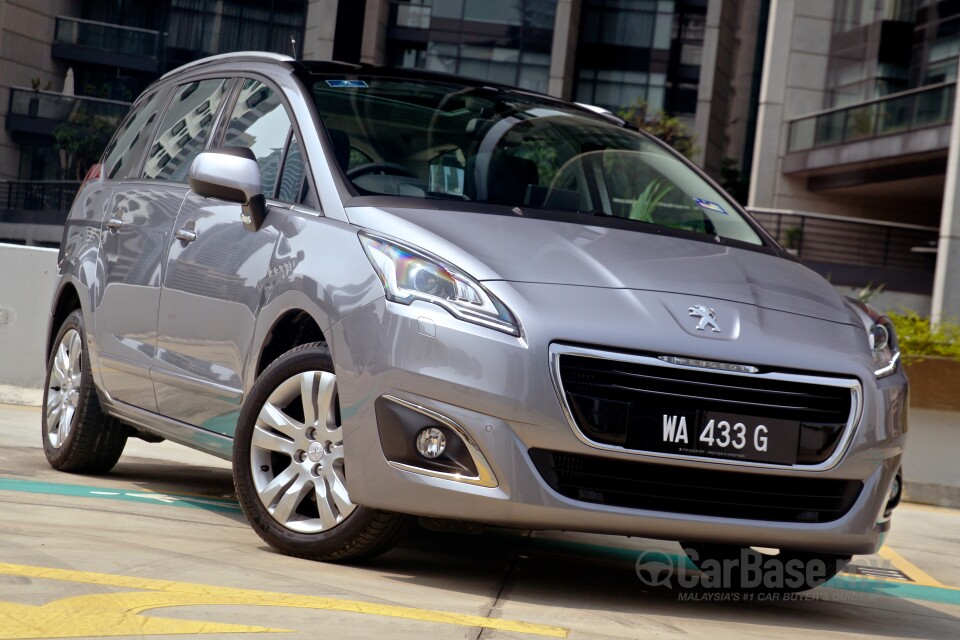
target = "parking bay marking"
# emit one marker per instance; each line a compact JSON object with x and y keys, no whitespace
{"x":108,"y":493}
{"x":921,"y":586}
{"x":118,"y":614}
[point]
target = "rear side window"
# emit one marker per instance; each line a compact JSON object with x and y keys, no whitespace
{"x":123,"y":152}
{"x":184,"y":129}
{"x":260,"y":123}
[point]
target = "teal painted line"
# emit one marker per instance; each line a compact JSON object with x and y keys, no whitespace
{"x":893,"y":588}
{"x":107,"y":493}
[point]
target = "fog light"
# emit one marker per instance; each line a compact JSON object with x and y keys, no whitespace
{"x":431,"y":442}
{"x":895,"y":489}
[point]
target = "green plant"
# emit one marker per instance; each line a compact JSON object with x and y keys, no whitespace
{"x":869,"y":292}
{"x":668,"y":128}
{"x":648,"y":201}
{"x":792,"y":237}
{"x":919,"y":338}
{"x":82,"y":138}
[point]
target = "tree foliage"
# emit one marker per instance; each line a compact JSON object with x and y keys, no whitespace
{"x":668,"y":128}
{"x":82,"y":139}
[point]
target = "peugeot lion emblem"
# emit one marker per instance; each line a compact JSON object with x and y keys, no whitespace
{"x":708,"y":317}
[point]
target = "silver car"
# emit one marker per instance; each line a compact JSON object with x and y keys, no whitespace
{"x":386,"y":293}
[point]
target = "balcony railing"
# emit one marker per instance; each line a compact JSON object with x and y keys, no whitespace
{"x":39,"y":112}
{"x":107,"y":44}
{"x":856,"y":252}
{"x":26,"y":200}
{"x":897,"y":113}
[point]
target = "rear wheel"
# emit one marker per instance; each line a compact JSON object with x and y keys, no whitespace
{"x":77,"y":435}
{"x":288,"y":465}
{"x":731,"y":567}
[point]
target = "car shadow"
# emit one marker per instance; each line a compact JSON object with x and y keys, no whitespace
{"x":195,"y":486}
{"x":598,"y":577}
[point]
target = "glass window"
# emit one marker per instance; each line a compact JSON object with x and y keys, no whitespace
{"x":291,"y":181}
{"x":260,"y":123}
{"x":504,"y":12}
{"x":123,"y":152}
{"x":473,"y":143}
{"x":184,"y":129}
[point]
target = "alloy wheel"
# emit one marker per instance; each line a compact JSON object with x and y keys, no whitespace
{"x":296,"y":454}
{"x":63,"y":393}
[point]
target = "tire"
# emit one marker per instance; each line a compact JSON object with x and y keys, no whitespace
{"x":786,"y":572}
{"x":77,"y":436}
{"x":288,"y":466}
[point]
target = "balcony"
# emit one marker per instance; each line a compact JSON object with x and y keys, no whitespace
{"x":898,"y":113}
{"x":39,"y":112}
{"x":105,"y":44}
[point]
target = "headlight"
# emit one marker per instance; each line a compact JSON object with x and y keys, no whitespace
{"x":882,"y":338}
{"x":883,"y":343}
{"x":409,"y":274}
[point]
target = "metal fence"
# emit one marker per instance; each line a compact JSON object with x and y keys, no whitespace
{"x":107,"y":37}
{"x":50,"y":105}
{"x":37,"y":195}
{"x":824,"y":238}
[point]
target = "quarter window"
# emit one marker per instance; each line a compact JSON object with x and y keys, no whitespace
{"x":184,"y":129}
{"x":260,"y":123}
{"x":291,"y":181}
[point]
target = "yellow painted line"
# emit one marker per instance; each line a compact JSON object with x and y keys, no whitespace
{"x":118,"y":614}
{"x":917,"y":574}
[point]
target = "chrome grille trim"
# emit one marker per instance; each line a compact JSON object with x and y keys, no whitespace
{"x":851,"y":384}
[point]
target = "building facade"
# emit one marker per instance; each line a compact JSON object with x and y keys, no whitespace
{"x":855,"y":122}
{"x":839,"y":111}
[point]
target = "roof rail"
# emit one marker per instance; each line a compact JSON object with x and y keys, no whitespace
{"x":251,"y":55}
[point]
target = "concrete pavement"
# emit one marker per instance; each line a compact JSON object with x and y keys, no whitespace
{"x":159,"y":547}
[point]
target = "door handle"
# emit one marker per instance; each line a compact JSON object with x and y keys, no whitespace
{"x":185,"y":235}
{"x":114,"y":224}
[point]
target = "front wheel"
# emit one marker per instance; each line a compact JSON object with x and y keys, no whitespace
{"x":77,"y":435}
{"x":288,"y":465}
{"x":734,"y":568}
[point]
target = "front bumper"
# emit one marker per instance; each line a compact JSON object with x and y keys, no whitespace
{"x":499,"y":390}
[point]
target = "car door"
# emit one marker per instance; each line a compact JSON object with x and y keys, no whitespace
{"x":132,"y":248}
{"x":138,"y":229}
{"x":216,"y":271}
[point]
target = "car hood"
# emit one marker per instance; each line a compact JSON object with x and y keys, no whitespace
{"x":521,"y":249}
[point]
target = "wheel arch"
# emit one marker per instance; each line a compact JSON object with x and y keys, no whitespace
{"x":66,"y":302}
{"x":293,"y":328}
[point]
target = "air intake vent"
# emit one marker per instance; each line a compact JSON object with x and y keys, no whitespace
{"x":703,"y":492}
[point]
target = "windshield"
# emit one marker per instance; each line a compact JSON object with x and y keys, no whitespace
{"x":438,"y":140}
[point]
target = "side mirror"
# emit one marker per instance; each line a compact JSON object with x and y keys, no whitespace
{"x":231,"y":173}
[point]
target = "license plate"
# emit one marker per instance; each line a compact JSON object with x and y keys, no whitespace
{"x":713,"y":434}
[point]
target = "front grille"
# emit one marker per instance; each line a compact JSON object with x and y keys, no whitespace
{"x":703,"y":492}
{"x":606,"y":397}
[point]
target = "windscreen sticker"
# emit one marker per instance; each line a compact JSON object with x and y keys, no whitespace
{"x":347,"y":84}
{"x":710,"y":206}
